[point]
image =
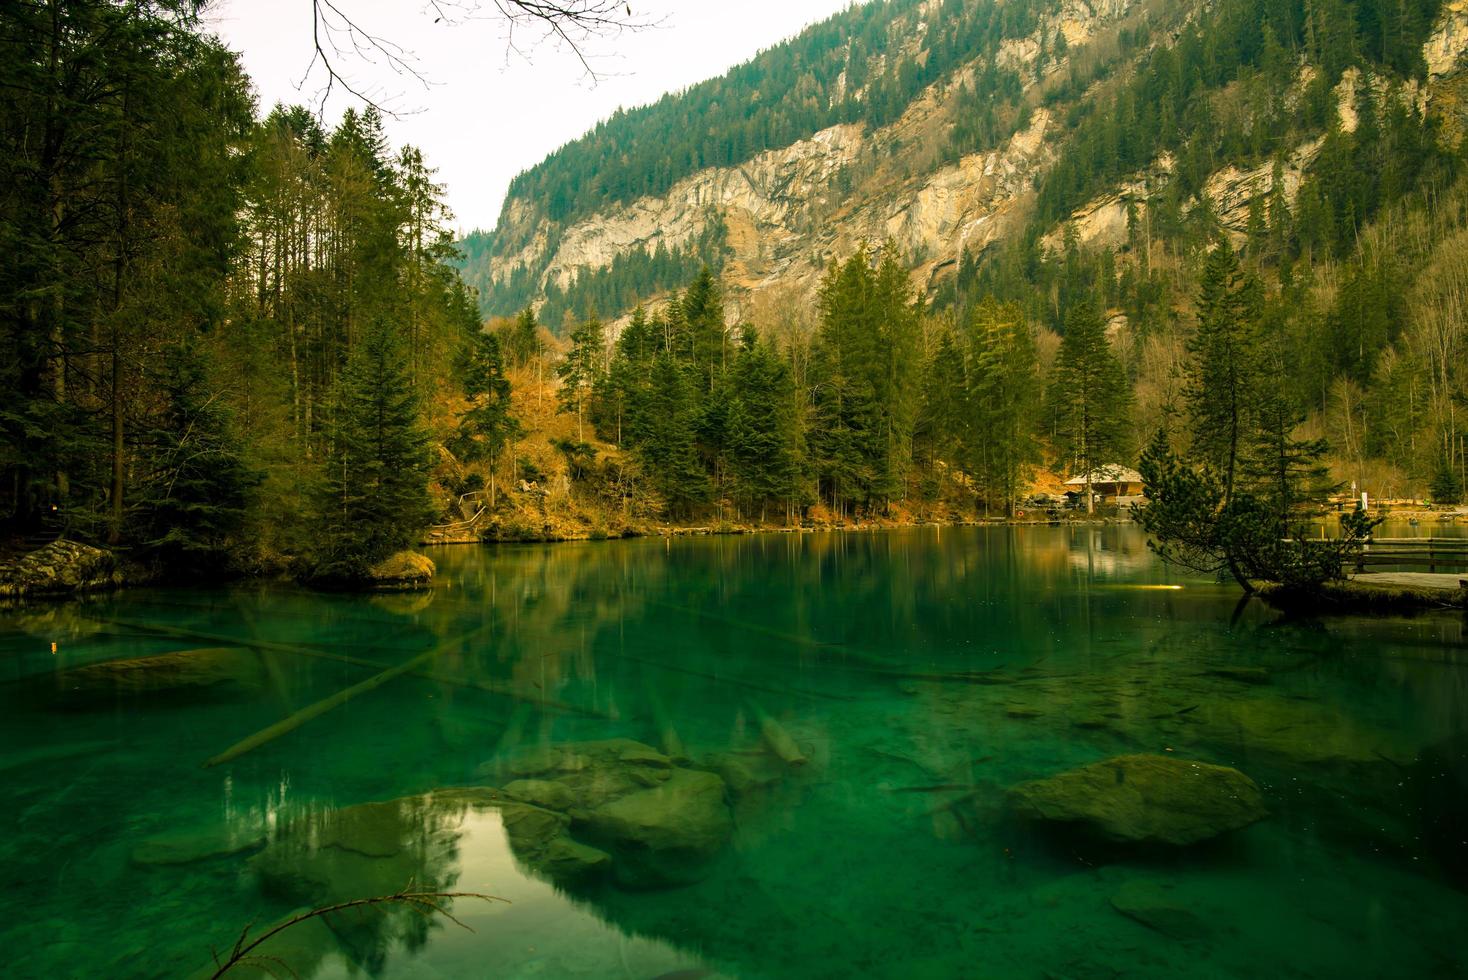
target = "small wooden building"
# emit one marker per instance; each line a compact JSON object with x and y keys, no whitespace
{"x":1111,"y":482}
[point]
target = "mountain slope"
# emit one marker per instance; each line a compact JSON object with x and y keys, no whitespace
{"x":951,"y":127}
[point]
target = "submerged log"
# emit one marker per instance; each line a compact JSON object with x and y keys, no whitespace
{"x":489,"y":687}
{"x":313,"y":711}
{"x":668,"y":736}
{"x":776,"y":737}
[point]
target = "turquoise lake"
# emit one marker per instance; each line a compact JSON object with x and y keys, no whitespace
{"x":846,"y":711}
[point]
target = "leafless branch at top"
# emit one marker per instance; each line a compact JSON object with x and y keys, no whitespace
{"x":337,"y":36}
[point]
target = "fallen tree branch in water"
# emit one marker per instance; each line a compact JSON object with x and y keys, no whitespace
{"x":314,"y":711}
{"x":301,"y":650}
{"x":776,"y":737}
{"x":425,"y":903}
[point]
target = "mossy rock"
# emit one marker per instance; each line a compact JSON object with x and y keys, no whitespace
{"x":183,"y":671}
{"x":1300,"y":731}
{"x":1154,"y":905}
{"x":662,"y":823}
{"x":1144,"y":800}
{"x":668,"y":833}
{"x":60,"y":568}
{"x":406,"y":571}
{"x":191,"y":847}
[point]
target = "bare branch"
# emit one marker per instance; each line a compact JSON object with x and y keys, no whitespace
{"x":428,"y":903}
{"x":338,"y":37}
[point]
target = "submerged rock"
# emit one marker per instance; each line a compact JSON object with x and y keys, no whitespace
{"x":747,"y":773}
{"x":671,"y":830}
{"x":1301,"y":731}
{"x":1144,"y":799}
{"x":406,"y":571}
{"x":59,"y":568}
{"x":165,"y":673}
{"x":661,"y":822}
{"x":188,"y":848}
{"x":1151,"y":904}
{"x":1244,"y":675}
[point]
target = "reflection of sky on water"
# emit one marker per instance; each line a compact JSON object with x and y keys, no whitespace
{"x":539,"y":931}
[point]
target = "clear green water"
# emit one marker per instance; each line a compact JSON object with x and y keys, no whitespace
{"x":854,"y":865}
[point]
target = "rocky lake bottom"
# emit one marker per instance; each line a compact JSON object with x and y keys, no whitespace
{"x":1017,"y":752}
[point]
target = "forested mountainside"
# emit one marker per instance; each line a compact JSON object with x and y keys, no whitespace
{"x":934,"y":123}
{"x":1053,"y":156}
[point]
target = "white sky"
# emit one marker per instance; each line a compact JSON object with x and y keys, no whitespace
{"x":490,"y":113}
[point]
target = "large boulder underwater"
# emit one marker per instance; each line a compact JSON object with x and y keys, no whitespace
{"x":1143,"y":801}
{"x":661,"y":822}
{"x":186,"y":675}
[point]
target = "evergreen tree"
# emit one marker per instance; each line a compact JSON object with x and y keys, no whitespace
{"x":1090,"y":397}
{"x":373,"y":498}
{"x":942,"y":425}
{"x":702,"y":336}
{"x":486,"y":425}
{"x":1004,"y":399}
{"x":1221,"y":376}
{"x":191,"y":508}
{"x":666,"y":448}
{"x":581,"y":369}
{"x":619,"y":398}
{"x":523,"y":345}
{"x":762,"y":429}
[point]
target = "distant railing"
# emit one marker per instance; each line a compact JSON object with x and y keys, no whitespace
{"x":1434,"y":554}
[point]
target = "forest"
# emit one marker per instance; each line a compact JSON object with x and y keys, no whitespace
{"x":1347,"y":248}
{"x":222,"y":329}
{"x":239,"y":340}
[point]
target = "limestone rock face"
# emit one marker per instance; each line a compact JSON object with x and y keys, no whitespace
{"x":1144,"y":799}
{"x":790,"y":209}
{"x":405,"y":571}
{"x":60,"y":568}
{"x":1444,"y":49}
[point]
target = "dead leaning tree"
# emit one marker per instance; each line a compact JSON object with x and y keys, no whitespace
{"x":337,"y":35}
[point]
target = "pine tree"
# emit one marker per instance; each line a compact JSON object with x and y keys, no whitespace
{"x":581,"y":370}
{"x":486,"y":425}
{"x":667,"y":449}
{"x":191,"y":509}
{"x":373,"y":498}
{"x":942,"y":426}
{"x":1221,"y":376}
{"x":762,"y":431}
{"x":523,"y":345}
{"x":1090,"y":397}
{"x":1003,"y":397}
{"x":703,"y":337}
{"x":619,"y":397}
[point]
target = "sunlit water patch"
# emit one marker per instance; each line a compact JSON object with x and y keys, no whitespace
{"x":905,"y":754}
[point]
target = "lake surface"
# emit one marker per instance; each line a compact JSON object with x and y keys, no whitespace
{"x":866,"y":701}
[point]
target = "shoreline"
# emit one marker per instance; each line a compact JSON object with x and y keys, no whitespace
{"x":736,"y":528}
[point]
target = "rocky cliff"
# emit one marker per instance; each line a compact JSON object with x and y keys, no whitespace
{"x":789,"y":211}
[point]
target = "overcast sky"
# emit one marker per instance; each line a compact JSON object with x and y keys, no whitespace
{"x":489,"y":112}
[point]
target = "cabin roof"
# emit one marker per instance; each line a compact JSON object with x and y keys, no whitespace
{"x":1111,"y":473}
